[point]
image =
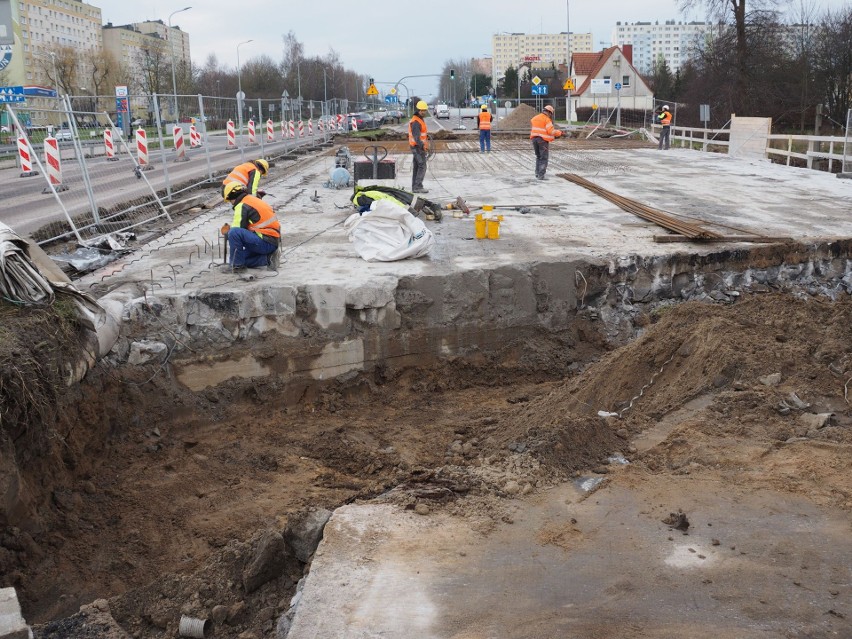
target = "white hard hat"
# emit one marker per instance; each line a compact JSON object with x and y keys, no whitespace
{"x":665,"y":107}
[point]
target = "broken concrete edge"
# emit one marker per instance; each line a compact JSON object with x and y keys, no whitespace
{"x":12,"y":624}
{"x":331,"y":331}
{"x":201,"y":200}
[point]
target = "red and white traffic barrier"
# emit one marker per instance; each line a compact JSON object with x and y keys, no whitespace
{"x":292,"y":128}
{"x":354,"y":124}
{"x":310,"y":127}
{"x":142,"y":150}
{"x":232,"y":136}
{"x":340,"y":121}
{"x":26,"y":160}
{"x":194,"y":137}
{"x":180,"y":149}
{"x":251,"y":133}
{"x":270,"y":131}
{"x":109,"y":147}
{"x":284,"y":129}
{"x":54,"y":164}
{"x":301,"y":129}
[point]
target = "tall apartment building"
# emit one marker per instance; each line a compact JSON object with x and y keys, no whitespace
{"x":41,"y":27}
{"x":675,"y":41}
{"x":130,"y":43}
{"x":537,"y":49}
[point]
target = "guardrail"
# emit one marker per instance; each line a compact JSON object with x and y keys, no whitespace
{"x":812,"y":145}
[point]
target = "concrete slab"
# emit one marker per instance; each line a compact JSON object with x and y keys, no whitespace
{"x":12,"y":624}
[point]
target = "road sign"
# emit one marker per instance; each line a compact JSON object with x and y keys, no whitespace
{"x":601,"y":86}
{"x":569,"y":85}
{"x":391,"y":99}
{"x":12,"y":94}
{"x":372,"y":90}
{"x":540,"y":90}
{"x":536,"y":80}
{"x":121,"y":91}
{"x":618,"y":86}
{"x":393,"y":91}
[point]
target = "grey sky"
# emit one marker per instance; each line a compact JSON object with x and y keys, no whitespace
{"x":374,"y":37}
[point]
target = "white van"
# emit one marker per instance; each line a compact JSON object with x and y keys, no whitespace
{"x":442,"y":111}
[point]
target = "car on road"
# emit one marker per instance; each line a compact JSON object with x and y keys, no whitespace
{"x":63,"y":134}
{"x":442,"y":112}
{"x":364,"y":121}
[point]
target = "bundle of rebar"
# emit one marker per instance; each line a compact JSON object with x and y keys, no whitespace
{"x":692,"y":231}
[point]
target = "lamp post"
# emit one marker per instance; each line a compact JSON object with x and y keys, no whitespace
{"x":299,"y":85}
{"x":172,"y":46}
{"x":240,"y":94}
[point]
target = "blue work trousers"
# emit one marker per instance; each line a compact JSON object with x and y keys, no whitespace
{"x":484,"y":140}
{"x":249,"y":249}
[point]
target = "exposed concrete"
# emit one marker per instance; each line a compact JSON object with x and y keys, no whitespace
{"x":563,"y":251}
{"x":12,"y":624}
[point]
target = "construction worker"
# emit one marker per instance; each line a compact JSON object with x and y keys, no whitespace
{"x":248,"y":174}
{"x":418,"y":140}
{"x":483,"y":123}
{"x":542,"y":133}
{"x":665,"y":119}
{"x":254,"y":234}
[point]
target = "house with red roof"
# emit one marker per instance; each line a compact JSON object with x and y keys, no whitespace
{"x":607,"y":78}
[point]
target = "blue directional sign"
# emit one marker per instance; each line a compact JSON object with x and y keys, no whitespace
{"x":541,"y":89}
{"x":618,"y":86}
{"x":12,"y":94}
{"x":391,"y":99}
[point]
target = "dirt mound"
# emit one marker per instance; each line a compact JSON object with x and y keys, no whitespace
{"x":518,"y":119}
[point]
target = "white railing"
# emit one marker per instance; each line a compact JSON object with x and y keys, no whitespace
{"x":815,"y":148}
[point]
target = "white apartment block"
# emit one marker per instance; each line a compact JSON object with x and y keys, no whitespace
{"x":173,"y":37}
{"x":536,"y":49}
{"x":129,"y":42}
{"x":673,"y":40}
{"x":44,"y":26}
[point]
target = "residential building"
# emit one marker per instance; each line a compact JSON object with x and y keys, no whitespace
{"x":675,"y":41}
{"x":536,"y":49}
{"x":41,"y":29}
{"x":608,"y":78}
{"x":133,"y":44}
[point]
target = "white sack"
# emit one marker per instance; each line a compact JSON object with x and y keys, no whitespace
{"x":388,"y":232}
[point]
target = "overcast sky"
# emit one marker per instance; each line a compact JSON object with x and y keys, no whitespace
{"x":376,"y":37}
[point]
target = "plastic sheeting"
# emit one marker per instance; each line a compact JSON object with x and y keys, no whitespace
{"x":388,"y":232}
{"x":20,"y":279}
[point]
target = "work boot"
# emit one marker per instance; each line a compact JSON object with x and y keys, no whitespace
{"x":273,"y":261}
{"x":419,"y":189}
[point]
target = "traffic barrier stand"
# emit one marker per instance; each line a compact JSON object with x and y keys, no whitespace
{"x":142,"y":150}
{"x":180,"y":149}
{"x":292,"y":128}
{"x":232,"y":136}
{"x":339,"y":121}
{"x":301,"y":129}
{"x":109,"y":147}
{"x":310,"y":127}
{"x":26,"y":160}
{"x":354,"y":124}
{"x":54,"y":165}
{"x":270,"y":131}
{"x":194,"y":137}
{"x":284,"y":129}
{"x":251,"y":133}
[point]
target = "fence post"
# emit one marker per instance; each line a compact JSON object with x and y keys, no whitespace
{"x":162,"y":145}
{"x":78,"y":148}
{"x":206,"y":145}
{"x":846,"y":137}
{"x":789,"y":148}
{"x":260,"y":123}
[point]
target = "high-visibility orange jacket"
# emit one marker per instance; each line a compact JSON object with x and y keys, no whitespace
{"x":665,"y":118}
{"x":254,"y":214}
{"x":484,"y":118}
{"x":246,"y":174}
{"x":423,"y":137}
{"x":542,"y":127}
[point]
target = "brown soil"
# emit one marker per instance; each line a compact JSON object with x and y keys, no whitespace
{"x":162,"y":496}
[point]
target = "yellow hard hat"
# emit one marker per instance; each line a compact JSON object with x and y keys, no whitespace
{"x":263,"y":165}
{"x":231,"y":190}
{"x":422,"y":106}
{"x":484,"y":107}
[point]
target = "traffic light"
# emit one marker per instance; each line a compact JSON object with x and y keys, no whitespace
{"x":452,"y":74}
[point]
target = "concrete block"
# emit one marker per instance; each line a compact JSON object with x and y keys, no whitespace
{"x":12,"y":624}
{"x":330,"y":304}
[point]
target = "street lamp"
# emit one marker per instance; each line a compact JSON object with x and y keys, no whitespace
{"x":239,"y":78}
{"x":172,"y":46}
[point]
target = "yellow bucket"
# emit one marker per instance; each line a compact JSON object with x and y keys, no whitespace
{"x":480,"y":228}
{"x":478,"y":216}
{"x":493,"y":229}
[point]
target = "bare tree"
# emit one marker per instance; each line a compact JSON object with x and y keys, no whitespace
{"x":833,"y":61}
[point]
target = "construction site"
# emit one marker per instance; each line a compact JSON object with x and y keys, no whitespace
{"x":623,"y":410}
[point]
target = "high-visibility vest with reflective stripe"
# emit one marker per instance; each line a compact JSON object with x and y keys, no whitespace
{"x":423,"y":136}
{"x":268,"y":223}
{"x":246,"y":174}
{"x":666,"y":118}
{"x":485,"y":121}
{"x":542,"y":127}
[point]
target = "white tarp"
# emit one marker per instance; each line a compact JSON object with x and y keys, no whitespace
{"x":388,"y":232}
{"x":20,"y":279}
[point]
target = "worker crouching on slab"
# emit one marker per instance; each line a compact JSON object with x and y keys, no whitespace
{"x":542,"y":133}
{"x":248,"y":174}
{"x":254,"y":234}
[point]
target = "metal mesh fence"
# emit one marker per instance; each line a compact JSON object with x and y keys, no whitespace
{"x":90,"y":184}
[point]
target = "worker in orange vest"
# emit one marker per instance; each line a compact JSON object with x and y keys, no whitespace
{"x":254,"y":233}
{"x":418,"y":140}
{"x":542,"y":133}
{"x":483,"y":123}
{"x":248,"y":174}
{"x":665,"y":119}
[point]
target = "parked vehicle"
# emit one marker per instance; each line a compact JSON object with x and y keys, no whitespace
{"x":364,"y":121}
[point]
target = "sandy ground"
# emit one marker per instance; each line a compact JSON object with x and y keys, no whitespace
{"x":159,"y":496}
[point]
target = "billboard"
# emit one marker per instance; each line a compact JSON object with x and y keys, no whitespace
{"x":7,"y":28}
